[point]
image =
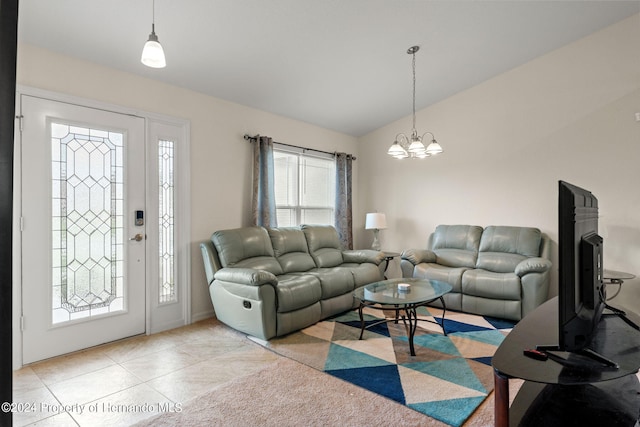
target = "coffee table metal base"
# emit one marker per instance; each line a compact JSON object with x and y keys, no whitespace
{"x":410,"y":315}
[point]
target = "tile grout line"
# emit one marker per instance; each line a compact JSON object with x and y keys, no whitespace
{"x":200,"y":335}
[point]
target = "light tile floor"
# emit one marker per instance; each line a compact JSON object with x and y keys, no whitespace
{"x":121,"y":383}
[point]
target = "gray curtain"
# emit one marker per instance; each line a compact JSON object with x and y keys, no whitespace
{"x":264,"y":198}
{"x":344,"y":213}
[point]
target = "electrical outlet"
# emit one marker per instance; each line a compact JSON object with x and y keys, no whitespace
{"x":637,"y":117}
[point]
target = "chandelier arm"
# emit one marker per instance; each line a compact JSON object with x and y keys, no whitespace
{"x":402,"y":139}
{"x":433,"y":138}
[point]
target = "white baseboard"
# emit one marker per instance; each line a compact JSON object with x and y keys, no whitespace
{"x":196,"y":317}
{"x":166,"y":326}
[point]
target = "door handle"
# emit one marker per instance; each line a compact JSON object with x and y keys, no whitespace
{"x":138,"y":237}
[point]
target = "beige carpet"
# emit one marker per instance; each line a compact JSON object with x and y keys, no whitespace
{"x":288,"y":393}
{"x":447,"y":379}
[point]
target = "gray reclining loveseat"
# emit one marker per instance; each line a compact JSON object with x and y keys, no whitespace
{"x":498,"y":271}
{"x":270,"y":282}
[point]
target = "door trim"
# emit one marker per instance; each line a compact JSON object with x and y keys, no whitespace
{"x":153,"y":323}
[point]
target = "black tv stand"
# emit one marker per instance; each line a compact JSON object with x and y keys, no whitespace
{"x":621,"y":314}
{"x":586,"y":352}
{"x":550,"y":387}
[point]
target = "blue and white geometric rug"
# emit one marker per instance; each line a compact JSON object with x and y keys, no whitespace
{"x":447,"y":379}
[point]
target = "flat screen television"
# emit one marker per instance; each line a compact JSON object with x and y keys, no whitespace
{"x":581,"y":291}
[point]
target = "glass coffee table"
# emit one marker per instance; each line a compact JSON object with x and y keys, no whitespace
{"x":404,"y":295}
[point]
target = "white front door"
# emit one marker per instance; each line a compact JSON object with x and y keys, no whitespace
{"x":83,"y":227}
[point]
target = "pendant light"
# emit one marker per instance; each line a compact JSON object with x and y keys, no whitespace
{"x":152,"y":53}
{"x":413,"y":147}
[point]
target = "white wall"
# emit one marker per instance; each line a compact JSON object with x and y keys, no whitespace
{"x":220,"y":158}
{"x":567,"y":115}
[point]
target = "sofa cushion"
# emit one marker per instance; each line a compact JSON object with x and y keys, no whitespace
{"x":450,"y":275}
{"x":502,"y":248}
{"x":333,"y":281}
{"x":456,"y":245}
{"x":291,"y":250}
{"x":363,"y":274}
{"x":248,"y":247}
{"x":488,"y":284}
{"x":297,"y":291}
{"x":324,"y":245}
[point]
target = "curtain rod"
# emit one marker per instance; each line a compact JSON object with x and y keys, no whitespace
{"x":253,"y":138}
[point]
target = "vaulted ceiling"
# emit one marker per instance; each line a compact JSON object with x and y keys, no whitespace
{"x":338,"y":64}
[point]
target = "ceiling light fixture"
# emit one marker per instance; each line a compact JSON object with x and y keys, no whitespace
{"x":413,"y":147}
{"x":152,"y":53}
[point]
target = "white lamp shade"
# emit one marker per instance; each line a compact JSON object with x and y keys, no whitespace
{"x":376,"y":221}
{"x":434,"y":148}
{"x":402,"y":155}
{"x":153,"y":54}
{"x":416,"y":147}
{"x":397,"y":151}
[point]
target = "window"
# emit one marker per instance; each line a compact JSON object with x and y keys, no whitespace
{"x":166,"y":219}
{"x":304,"y":187}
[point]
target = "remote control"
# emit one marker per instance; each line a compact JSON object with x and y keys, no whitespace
{"x":535,"y":354}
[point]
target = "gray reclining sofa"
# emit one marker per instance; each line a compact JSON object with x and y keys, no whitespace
{"x":498,"y":271}
{"x":270,"y":282}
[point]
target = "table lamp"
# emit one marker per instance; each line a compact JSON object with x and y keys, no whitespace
{"x":376,"y":222}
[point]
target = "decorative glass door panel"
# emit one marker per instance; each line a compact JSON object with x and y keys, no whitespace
{"x":87,"y":217}
{"x":84,"y":253}
{"x":166,"y":216}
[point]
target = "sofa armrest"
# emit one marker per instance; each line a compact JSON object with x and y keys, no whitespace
{"x":418,"y":256}
{"x":210,"y":259}
{"x":246,"y":276}
{"x":363,"y":255}
{"x":533,"y":265}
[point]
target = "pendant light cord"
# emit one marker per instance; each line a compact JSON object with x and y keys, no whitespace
{"x":414,"y":89}
{"x":153,"y":16}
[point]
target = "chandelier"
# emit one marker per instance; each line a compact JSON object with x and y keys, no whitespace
{"x":413,"y":147}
